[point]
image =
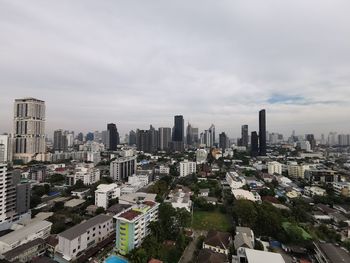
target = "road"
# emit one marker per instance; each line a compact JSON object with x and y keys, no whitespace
{"x":190,"y":249}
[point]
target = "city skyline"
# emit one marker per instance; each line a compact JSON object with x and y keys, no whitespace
{"x":86,"y":63}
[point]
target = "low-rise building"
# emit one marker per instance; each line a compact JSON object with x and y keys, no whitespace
{"x":297,"y":170}
{"x":246,"y":195}
{"x":204,"y":192}
{"x":138,"y":197}
{"x":234,"y":180}
{"x":218,"y":242}
{"x":249,"y":255}
{"x":342,"y":188}
{"x":81,"y":193}
{"x":314,"y":190}
{"x":180,"y":198}
{"x":106,"y":192}
{"x":75,"y":240}
{"x":34,"y":230}
{"x":321,"y":176}
{"x":244,"y":238}
{"x":132,"y":225}
{"x":330,"y":253}
{"x":26,"y":252}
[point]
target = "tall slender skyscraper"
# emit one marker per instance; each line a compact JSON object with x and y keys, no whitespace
{"x":178,"y":133}
{"x":262,"y":133}
{"x":113,"y":136}
{"x":244,"y":138}
{"x":29,"y":128}
{"x":223,"y":141}
{"x":254,"y":146}
{"x":164,"y":138}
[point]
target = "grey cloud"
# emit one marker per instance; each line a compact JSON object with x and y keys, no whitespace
{"x":141,"y":62}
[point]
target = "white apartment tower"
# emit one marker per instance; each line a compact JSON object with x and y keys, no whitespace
{"x":187,"y":168}
{"x":29,"y":128}
{"x":106,"y":192}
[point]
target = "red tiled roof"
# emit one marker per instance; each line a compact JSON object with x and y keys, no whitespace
{"x":130,"y":214}
{"x":149,"y":203}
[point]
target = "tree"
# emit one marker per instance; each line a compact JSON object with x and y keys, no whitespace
{"x":245,"y":213}
{"x":100,"y":210}
{"x":183,"y":217}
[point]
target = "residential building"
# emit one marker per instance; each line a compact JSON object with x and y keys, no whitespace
{"x":180,"y":197}
{"x":5,"y":148}
{"x":234,"y":180}
{"x":274,"y":168}
{"x":262,"y":132}
{"x":218,"y":242}
{"x":78,"y":239}
{"x":106,"y":192}
{"x":311,"y":139}
{"x":321,"y":176}
{"x":123,"y":167}
{"x":132,"y":225}
{"x":87,"y":173}
{"x":29,"y":128}
{"x":244,"y":238}
{"x":132,"y":137}
{"x":246,"y":195}
{"x":314,"y":190}
{"x":187,"y":168}
{"x":34,"y":230}
{"x":304,"y":145}
{"x":297,"y":170}
{"x":81,"y":193}
{"x":342,"y":188}
{"x":26,"y":252}
{"x":135,"y":198}
{"x":330,"y":253}
{"x":248,"y":255}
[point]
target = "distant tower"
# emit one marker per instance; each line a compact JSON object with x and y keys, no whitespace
{"x":60,"y":143}
{"x":254,"y":144}
{"x":178,"y":133}
{"x":113,"y":136}
{"x":223,"y":141}
{"x":262,"y":133}
{"x":244,"y":138}
{"x":164,"y":138}
{"x":29,"y":128}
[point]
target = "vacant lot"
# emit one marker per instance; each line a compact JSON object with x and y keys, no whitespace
{"x":214,"y":220}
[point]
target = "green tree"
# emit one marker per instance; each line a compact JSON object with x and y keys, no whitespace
{"x":245,"y":213}
{"x":100,"y":210}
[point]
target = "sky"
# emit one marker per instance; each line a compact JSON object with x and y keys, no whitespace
{"x":137,"y":63}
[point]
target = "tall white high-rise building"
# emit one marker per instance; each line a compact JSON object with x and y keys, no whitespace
{"x":3,"y":170}
{"x":5,"y":148}
{"x":29,"y":128}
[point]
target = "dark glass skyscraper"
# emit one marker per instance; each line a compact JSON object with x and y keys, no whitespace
{"x":262,"y":133}
{"x":254,"y":144}
{"x":244,"y":139}
{"x":113,"y":136}
{"x":178,"y":135}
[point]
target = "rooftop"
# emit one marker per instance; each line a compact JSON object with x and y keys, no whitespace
{"x":257,"y":256}
{"x":24,"y":232}
{"x":80,"y":229}
{"x":74,"y":202}
{"x":19,"y":250}
{"x":334,"y":253}
{"x":130,"y":214}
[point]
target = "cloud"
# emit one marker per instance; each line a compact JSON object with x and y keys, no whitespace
{"x":141,"y":62}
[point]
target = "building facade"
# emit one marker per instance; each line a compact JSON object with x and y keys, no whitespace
{"x":106,"y":192}
{"x":123,"y":167}
{"x":29,"y":128}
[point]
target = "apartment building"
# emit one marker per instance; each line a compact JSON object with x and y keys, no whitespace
{"x":106,"y":192}
{"x":187,"y":168}
{"x":132,"y":225}
{"x":123,"y":167}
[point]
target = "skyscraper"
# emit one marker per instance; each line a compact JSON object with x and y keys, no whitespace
{"x":254,"y":147}
{"x":311,"y":139}
{"x":189,"y":135}
{"x":132,"y":137}
{"x":153,"y":139}
{"x":60,"y":143}
{"x":212,"y":136}
{"x":244,"y":138}
{"x":29,"y":128}
{"x":142,"y":140}
{"x":223,"y":141}
{"x":113,"y":136}
{"x":178,"y":133}
{"x":262,"y":133}
{"x":164,"y":138}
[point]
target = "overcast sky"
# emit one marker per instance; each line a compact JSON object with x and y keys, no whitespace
{"x":141,"y":62}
